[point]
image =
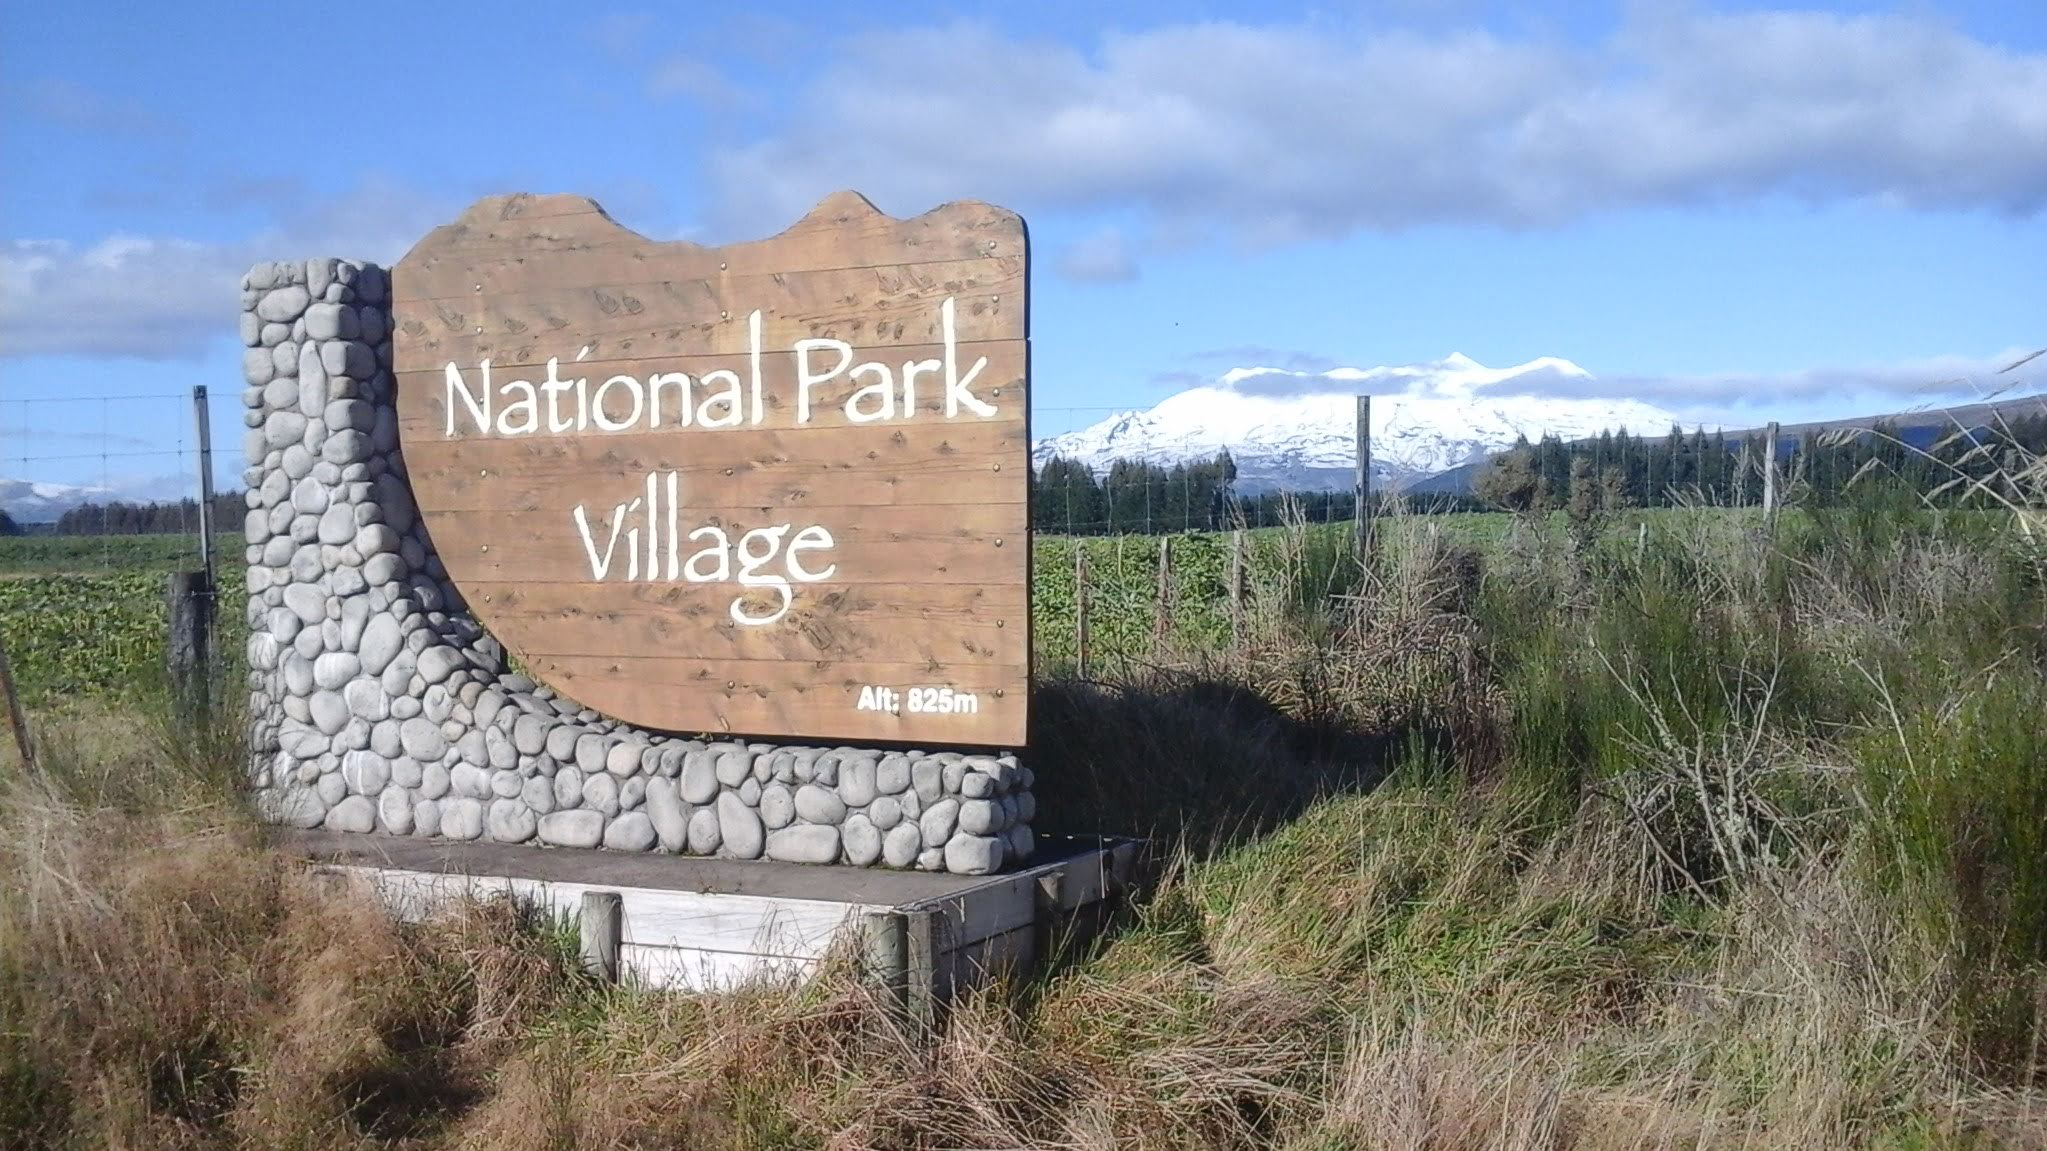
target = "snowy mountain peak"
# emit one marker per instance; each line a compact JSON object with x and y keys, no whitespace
{"x":1296,"y":429}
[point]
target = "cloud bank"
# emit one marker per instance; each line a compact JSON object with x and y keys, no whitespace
{"x":1283,"y":132}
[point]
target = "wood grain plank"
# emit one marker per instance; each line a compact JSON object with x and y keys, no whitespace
{"x":871,"y":308}
{"x":743,"y":695}
{"x":1001,"y":383}
{"x":916,"y":623}
{"x":919,"y":464}
{"x":927,"y":508}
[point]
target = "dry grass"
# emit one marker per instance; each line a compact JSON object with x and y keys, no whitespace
{"x":1473,"y":860}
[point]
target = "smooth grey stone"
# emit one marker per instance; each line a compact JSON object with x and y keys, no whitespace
{"x":365,"y":772}
{"x":278,"y":551}
{"x":600,"y":792}
{"x":397,"y":676}
{"x":470,"y":780}
{"x":306,"y":602}
{"x":860,"y":841}
{"x":670,"y":761}
{"x":310,"y":642}
{"x":977,"y":786}
{"x":281,"y":429}
{"x":973,"y":854}
{"x":777,"y":806}
{"x":422,"y":739}
{"x":382,"y":569}
{"x":506,"y":784}
{"x":577,"y":828}
{"x":433,"y":780}
{"x":329,"y":711}
{"x":632,"y":793}
{"x":817,"y":805}
{"x":938,"y":821}
{"x":394,"y":811}
{"x":319,"y":274}
{"x":498,"y":749}
{"x":561,"y":742}
{"x":331,"y":787}
{"x":632,"y":831}
{"x":284,"y":359}
{"x":462,"y":818}
{"x":384,"y":737}
{"x":331,"y":322}
{"x":568,"y":788}
{"x":510,"y":821}
{"x":273,"y":335}
{"x":857,"y":782}
{"x":739,"y":826}
{"x":980,"y":817}
{"x":405,"y":771}
{"x":395,"y":497}
{"x":892,"y":775}
{"x":283,"y":305}
{"x":537,"y":793}
{"x":928,"y":777}
{"x":353,"y":813}
{"x":885,"y":812}
{"x":437,"y":663}
{"x":381,"y":641}
{"x":298,"y":673}
{"x":439,"y":706}
{"x":1020,"y":843}
{"x":699,"y":777}
{"x":623,"y":759}
{"x":309,"y":496}
{"x":529,"y":734}
{"x":426,"y":817}
{"x":733,"y":767}
{"x":669,"y":815}
{"x":337,"y":525}
{"x":591,"y":753}
{"x":297,"y":462}
{"x":351,"y":358}
{"x":705,"y":834}
{"x":258,"y":368}
{"x":306,"y":569}
{"x":334,"y":669}
{"x":353,"y":414}
{"x":825,"y":773}
{"x":955,"y":773}
{"x":301,"y":743}
{"x":366,"y":700}
{"x":804,"y":843}
{"x":899,"y":848}
{"x":749,"y":792}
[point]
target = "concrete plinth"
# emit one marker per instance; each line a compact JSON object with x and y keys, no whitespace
{"x":708,"y":924}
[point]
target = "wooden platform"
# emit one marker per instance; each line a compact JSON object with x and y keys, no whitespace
{"x":706,"y":924}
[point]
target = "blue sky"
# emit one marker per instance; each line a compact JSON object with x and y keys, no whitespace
{"x":1737,"y":211}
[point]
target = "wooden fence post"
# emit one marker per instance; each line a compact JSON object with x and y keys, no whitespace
{"x":1770,"y":482}
{"x":1080,"y":598}
{"x":1237,"y":588}
{"x":1364,"y":480}
{"x":188,"y":652}
{"x":16,"y":719}
{"x":601,"y":933}
{"x":1163,"y":606}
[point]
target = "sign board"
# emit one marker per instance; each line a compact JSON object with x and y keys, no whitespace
{"x":777,"y":488}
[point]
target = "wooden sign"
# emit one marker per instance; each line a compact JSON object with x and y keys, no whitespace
{"x":777,"y":488}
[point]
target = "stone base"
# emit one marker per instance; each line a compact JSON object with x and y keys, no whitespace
{"x":378,"y":703}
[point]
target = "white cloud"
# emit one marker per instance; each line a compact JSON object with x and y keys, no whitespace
{"x":162,"y":298}
{"x":1280,"y":132}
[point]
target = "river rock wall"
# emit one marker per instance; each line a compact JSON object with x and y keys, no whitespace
{"x":378,"y":703}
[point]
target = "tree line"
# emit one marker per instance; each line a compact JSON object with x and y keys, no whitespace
{"x":1817,"y":468}
{"x":121,"y":518}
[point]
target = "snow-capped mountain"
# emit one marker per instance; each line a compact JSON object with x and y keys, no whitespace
{"x":1297,"y":430}
{"x":30,"y":502}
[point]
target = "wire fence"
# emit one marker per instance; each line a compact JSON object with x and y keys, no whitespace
{"x":103,"y":483}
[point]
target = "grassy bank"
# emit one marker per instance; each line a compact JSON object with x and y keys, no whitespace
{"x":1579,"y":840}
